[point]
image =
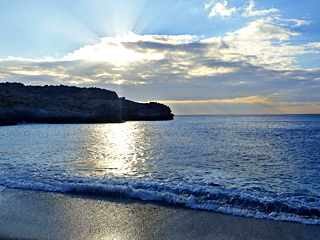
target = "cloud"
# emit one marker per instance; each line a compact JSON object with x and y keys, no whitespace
{"x":251,"y":104}
{"x":220,"y":9}
{"x":251,"y":12}
{"x":206,"y":6}
{"x":250,"y":99}
{"x":263,"y":42}
{"x":253,"y":68}
{"x":313,"y":45}
{"x":117,"y":49}
{"x":300,"y":22}
{"x":264,"y":29}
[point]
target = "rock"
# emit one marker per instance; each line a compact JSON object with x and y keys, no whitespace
{"x":66,"y":104}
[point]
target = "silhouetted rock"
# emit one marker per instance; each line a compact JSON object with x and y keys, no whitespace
{"x":65,"y":104}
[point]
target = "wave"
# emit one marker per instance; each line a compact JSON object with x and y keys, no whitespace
{"x":211,"y":197}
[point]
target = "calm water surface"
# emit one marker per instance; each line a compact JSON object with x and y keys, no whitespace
{"x":263,"y":166}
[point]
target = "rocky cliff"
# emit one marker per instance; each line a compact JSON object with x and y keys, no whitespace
{"x":65,"y":104}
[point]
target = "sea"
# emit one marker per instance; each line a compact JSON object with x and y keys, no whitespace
{"x":260,"y":166}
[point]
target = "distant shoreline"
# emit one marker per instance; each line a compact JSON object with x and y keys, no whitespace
{"x":69,"y":104}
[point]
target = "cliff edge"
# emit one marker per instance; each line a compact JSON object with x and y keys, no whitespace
{"x":68,"y":104}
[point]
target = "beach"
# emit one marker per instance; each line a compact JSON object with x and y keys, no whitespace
{"x":27,"y":214}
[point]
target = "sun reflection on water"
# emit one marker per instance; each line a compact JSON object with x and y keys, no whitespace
{"x":112,"y":149}
{"x":119,"y":148}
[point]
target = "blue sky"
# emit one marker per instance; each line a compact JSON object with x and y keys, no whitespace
{"x":198,"y":57}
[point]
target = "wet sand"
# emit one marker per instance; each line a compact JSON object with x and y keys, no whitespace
{"x":28,"y":214}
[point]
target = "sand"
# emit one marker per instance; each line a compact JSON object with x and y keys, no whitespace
{"x":28,"y":214}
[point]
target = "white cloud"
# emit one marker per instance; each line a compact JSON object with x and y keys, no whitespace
{"x":209,"y":71}
{"x":294,"y":23}
{"x":264,"y":29}
{"x":313,"y":45}
{"x":206,"y":6}
{"x":262,"y":42}
{"x":220,"y":9}
{"x":300,"y":22}
{"x":117,"y":49}
{"x":265,"y":41}
{"x":251,"y":12}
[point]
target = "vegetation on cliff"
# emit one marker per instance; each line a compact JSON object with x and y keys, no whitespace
{"x":68,"y":104}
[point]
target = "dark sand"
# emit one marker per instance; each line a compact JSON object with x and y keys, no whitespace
{"x":44,"y":215}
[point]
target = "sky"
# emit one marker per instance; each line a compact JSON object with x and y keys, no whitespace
{"x":196,"y":56}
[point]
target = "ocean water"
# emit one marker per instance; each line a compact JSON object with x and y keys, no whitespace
{"x":261,"y":166}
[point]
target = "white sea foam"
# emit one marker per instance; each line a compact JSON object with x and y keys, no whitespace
{"x":196,"y":197}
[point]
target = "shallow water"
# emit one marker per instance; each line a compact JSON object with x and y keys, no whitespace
{"x":263,"y":166}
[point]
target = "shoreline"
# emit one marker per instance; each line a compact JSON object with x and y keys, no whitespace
{"x":27,"y":214}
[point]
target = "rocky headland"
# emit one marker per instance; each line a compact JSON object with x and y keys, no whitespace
{"x":68,"y":104}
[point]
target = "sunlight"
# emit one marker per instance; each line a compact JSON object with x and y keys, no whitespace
{"x":114,"y":50}
{"x":250,"y":99}
{"x":114,"y":150}
{"x":209,"y":71}
{"x":119,"y":149}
